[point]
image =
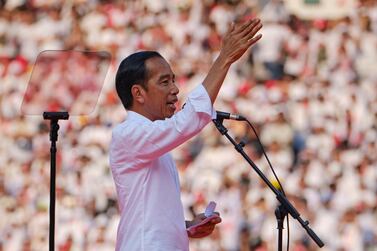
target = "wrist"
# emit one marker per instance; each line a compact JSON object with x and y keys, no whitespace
{"x":223,"y":61}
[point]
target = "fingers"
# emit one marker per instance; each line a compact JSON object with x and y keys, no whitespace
{"x":248,"y":31}
{"x":242,"y":37}
{"x":251,"y":27}
{"x":244,"y":26}
{"x":253,"y":31}
{"x":254,"y":40}
{"x":202,"y":231}
{"x":206,"y":229}
{"x":215,"y":221}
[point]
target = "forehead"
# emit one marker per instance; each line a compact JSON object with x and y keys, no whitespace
{"x":157,"y":67}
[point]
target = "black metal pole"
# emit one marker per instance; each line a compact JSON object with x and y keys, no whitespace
{"x":54,"y":128}
{"x":279,"y":196}
{"x":53,"y":137}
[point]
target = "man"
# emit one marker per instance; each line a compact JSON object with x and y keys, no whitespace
{"x":144,"y":172}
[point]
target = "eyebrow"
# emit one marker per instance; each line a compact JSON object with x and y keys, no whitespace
{"x":165,"y":76}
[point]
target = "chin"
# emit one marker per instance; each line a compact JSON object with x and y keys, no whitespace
{"x":169,"y":115}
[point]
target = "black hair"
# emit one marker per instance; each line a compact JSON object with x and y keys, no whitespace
{"x":132,"y":70}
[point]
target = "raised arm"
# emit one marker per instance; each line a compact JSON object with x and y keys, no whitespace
{"x":235,"y":43}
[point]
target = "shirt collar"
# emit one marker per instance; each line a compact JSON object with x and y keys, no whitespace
{"x":131,"y":115}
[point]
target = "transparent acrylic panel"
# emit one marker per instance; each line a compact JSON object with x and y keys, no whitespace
{"x":65,"y":81}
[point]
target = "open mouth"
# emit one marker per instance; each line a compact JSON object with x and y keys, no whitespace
{"x":172,"y":103}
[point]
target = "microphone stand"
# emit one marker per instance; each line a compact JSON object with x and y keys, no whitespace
{"x":280,"y":214}
{"x":285,"y":206}
{"x":54,"y":127}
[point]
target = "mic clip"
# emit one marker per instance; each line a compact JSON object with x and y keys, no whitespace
{"x":220,"y":116}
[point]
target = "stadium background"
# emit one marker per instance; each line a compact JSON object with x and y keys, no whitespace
{"x":309,"y":86}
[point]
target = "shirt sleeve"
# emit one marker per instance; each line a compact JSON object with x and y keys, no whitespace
{"x":146,"y":140}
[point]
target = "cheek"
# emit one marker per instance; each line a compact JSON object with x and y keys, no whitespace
{"x":141,"y":99}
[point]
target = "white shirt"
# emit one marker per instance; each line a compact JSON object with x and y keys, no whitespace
{"x":146,"y":178}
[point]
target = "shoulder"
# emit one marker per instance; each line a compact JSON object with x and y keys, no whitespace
{"x":128,"y":127}
{"x":132,"y":126}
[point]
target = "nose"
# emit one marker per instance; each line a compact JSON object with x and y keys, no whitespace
{"x":174,"y":89}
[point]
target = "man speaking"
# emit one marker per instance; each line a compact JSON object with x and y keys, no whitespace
{"x":144,"y":172}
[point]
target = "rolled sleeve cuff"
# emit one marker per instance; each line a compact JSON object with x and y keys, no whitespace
{"x":201,"y":102}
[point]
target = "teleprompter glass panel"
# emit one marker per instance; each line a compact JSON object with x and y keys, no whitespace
{"x":65,"y":81}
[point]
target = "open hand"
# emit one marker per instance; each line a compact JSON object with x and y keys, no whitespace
{"x":239,"y":38}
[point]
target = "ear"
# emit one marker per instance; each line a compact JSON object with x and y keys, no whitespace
{"x":138,"y":93}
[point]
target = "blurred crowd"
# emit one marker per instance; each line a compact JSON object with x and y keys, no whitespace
{"x":309,"y":87}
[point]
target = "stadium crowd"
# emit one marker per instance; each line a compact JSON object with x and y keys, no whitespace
{"x":309,"y":87}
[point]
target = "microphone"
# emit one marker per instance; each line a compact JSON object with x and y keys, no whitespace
{"x":227,"y":115}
